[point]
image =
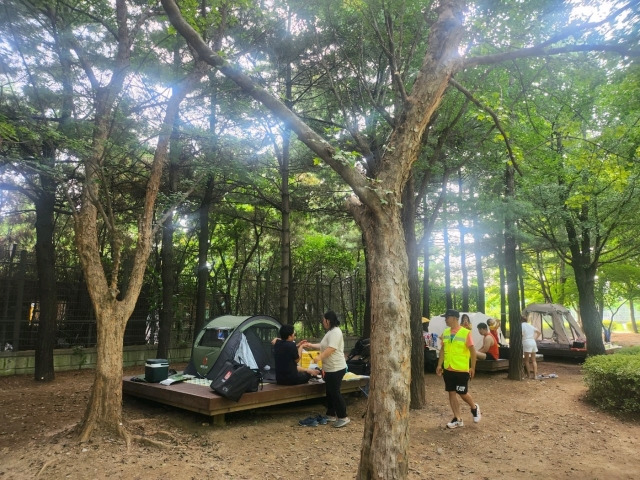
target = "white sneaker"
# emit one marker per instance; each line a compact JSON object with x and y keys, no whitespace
{"x":455,"y":423}
{"x":477,"y":416}
{"x":341,"y":422}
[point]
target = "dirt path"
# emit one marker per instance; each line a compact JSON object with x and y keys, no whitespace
{"x":529,"y":429}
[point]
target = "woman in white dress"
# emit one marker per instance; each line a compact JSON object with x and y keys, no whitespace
{"x":529,"y":336}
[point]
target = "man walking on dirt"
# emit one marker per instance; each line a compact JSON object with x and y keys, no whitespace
{"x":458,"y":356}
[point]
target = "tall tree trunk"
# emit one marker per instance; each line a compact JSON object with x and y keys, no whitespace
{"x":447,"y":265}
{"x":203,"y":251}
{"x":503,"y":283}
{"x":588,"y":311}
{"x":584,"y":271}
{"x":516,"y":366}
{"x":480,"y":302}
{"x":634,"y":325}
{"x":426,"y":310}
{"x":418,"y":398}
{"x":366,"y":327}
{"x":45,"y":261}
{"x":521,"y":279}
{"x":385,"y":440}
{"x":463,"y":250}
{"x":286,"y":314}
{"x":168,"y":272}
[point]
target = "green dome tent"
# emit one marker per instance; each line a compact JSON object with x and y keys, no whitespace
{"x":245,"y":339}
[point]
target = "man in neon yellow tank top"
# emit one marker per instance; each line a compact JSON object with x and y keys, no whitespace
{"x":456,"y":354}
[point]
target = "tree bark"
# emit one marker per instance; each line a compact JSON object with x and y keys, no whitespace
{"x":168,"y":271}
{"x":634,"y":325}
{"x":516,"y":366}
{"x":418,"y":396}
{"x":45,"y":261}
{"x":203,"y":251}
{"x":463,"y":251}
{"x":480,"y":301}
{"x":386,"y":436}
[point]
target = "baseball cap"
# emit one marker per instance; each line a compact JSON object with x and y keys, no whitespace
{"x":452,"y":313}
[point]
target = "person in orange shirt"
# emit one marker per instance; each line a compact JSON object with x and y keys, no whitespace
{"x":489,"y":349}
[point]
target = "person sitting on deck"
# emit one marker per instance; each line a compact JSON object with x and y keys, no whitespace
{"x":489,"y":349}
{"x":286,"y":355}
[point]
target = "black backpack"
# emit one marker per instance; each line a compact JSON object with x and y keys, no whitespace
{"x":359,"y":359}
{"x":234,"y":379}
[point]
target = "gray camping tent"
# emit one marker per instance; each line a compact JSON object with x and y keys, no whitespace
{"x":561,"y":334}
{"x":245,"y":339}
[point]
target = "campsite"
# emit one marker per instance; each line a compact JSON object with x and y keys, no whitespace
{"x":530,"y":429}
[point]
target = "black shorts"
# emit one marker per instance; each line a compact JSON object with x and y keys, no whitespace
{"x":456,"y":381}
{"x":490,"y":357}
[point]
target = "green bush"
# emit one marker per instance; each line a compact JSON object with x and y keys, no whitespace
{"x":613,"y":381}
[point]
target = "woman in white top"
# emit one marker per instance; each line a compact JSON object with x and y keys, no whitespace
{"x":334,"y":366}
{"x":529,"y":336}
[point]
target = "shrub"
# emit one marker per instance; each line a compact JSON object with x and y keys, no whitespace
{"x":613,"y":382}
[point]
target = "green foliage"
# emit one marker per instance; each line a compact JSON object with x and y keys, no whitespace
{"x":613,"y":382}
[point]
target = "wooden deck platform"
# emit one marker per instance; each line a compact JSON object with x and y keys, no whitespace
{"x":201,"y":399}
{"x":498,"y":365}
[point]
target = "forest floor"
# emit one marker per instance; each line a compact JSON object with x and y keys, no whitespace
{"x":529,"y":429}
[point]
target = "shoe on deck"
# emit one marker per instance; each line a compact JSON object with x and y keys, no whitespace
{"x":341,"y":422}
{"x":308,"y":422}
{"x":477,"y":416}
{"x":331,"y":418}
{"x":455,"y":423}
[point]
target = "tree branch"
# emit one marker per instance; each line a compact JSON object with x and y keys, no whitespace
{"x":496,"y":121}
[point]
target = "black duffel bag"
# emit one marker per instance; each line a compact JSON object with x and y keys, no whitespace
{"x":233,"y":380}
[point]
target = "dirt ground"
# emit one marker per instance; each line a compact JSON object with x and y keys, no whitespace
{"x":529,"y":429}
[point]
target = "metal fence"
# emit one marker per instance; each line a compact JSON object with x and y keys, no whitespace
{"x":75,"y":323}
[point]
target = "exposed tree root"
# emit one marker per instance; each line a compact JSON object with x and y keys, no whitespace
{"x":150,"y":441}
{"x":44,"y":467}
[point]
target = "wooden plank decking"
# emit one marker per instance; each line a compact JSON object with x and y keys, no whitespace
{"x":498,"y":365}
{"x":201,"y":399}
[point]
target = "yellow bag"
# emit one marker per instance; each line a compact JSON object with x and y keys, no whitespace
{"x":307,"y":358}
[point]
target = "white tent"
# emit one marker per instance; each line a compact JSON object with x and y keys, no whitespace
{"x":438,"y":324}
{"x":555,"y":322}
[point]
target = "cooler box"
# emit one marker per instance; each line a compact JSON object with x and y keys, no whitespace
{"x":156,"y":370}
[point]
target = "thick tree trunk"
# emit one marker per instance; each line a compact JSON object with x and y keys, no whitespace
{"x":104,"y":410}
{"x":588,"y":310}
{"x":386,"y":435}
